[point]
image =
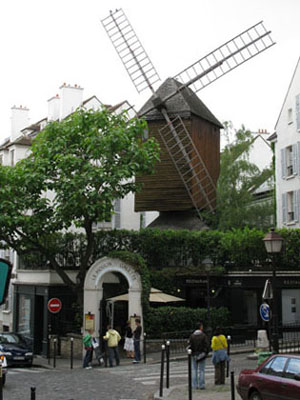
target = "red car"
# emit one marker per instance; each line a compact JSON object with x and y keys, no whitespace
{"x":276,"y":378}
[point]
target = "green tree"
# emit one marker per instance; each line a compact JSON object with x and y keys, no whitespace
{"x":237,"y":204}
{"x":76,"y":169}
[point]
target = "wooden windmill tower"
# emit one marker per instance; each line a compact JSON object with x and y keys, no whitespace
{"x":189,"y":134}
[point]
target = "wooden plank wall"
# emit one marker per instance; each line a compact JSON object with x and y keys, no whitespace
{"x":164,"y":191}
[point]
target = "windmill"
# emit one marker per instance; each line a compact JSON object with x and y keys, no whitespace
{"x":189,"y":171}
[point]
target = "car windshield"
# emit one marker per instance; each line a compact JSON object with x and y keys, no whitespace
{"x":9,"y":338}
{"x":275,"y":366}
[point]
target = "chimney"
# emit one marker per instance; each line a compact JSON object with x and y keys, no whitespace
{"x":71,"y":98}
{"x":53,"y":108}
{"x":19,"y":121}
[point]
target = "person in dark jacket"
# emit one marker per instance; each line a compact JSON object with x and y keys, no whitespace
{"x":136,"y":341}
{"x":198,"y":343}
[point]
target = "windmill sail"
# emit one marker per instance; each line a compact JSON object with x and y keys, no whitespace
{"x":227,"y":57}
{"x":131,"y":52}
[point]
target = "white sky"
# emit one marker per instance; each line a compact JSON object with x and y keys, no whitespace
{"x":47,"y":42}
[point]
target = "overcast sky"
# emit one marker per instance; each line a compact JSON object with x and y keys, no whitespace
{"x":45,"y":43}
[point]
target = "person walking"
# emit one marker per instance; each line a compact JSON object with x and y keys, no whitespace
{"x":198,"y":343}
{"x":136,"y":341}
{"x":128,"y":345}
{"x":88,"y":346}
{"x":219,"y":356}
{"x":113,"y":337}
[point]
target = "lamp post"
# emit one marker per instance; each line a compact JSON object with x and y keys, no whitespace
{"x":208,"y":267}
{"x":273,"y":243}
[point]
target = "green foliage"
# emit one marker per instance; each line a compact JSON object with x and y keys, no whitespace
{"x":238,"y":180}
{"x":237,"y":249}
{"x":76,"y":169}
{"x":174,"y":319}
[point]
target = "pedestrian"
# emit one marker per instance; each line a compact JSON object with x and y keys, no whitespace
{"x":219,"y":356}
{"x":136,"y":341}
{"x":88,"y":346}
{"x":113,"y":337}
{"x":128,"y":345}
{"x":198,"y":343}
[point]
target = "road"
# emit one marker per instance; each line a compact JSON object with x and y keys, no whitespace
{"x":127,"y":382}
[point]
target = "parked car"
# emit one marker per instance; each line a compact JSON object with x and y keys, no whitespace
{"x":276,"y":378}
{"x":16,"y":349}
{"x":3,"y":364}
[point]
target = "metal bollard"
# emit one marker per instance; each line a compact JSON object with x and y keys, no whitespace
{"x":190,"y":373}
{"x":49,"y":349}
{"x":54,"y":352}
{"x":72,"y":352}
{"x":145,"y":348}
{"x":232,"y":385}
{"x":228,"y":353}
{"x":1,"y":382}
{"x":32,"y":396}
{"x":161,"y":383}
{"x":167,"y":364}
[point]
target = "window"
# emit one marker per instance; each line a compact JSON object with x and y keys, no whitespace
{"x":277,"y":366}
{"x":293,"y":368}
{"x":290,"y":116}
{"x":290,"y":207}
{"x":298,"y":112}
{"x":290,"y":165}
{"x":12,"y":158}
{"x":117,"y":214}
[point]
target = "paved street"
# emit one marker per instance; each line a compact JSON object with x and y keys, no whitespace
{"x":127,"y":382}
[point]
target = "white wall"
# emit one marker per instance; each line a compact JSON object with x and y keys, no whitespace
{"x":287,"y":135}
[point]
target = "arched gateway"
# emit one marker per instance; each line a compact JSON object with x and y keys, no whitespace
{"x":93,"y":286}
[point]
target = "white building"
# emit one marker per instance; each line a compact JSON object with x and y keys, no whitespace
{"x":17,"y":147}
{"x":287,"y":155}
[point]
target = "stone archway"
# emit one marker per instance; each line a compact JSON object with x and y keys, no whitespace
{"x":93,"y":287}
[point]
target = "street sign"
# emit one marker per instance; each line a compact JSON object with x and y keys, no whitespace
{"x":264,"y":311}
{"x":54,"y":305}
{"x":5,"y":274}
{"x":268,"y":291}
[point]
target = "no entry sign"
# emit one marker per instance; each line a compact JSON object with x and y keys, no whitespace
{"x":54,"y":305}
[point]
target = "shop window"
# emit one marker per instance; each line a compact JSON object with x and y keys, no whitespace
{"x":24,"y":314}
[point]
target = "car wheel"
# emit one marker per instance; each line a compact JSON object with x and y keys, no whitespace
{"x":255,"y":396}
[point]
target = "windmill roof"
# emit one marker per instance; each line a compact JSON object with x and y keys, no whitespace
{"x":184,"y":103}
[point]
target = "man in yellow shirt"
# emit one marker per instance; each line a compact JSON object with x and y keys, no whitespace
{"x":113,"y":337}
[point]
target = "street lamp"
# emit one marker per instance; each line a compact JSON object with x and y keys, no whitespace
{"x":208,"y":264}
{"x":273,"y":243}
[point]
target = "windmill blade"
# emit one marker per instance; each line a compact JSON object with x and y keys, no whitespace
{"x":225,"y":58}
{"x":132,"y":54}
{"x":189,"y":164}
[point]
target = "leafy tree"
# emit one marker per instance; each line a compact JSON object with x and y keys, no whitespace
{"x":237,"y":205}
{"x":76,"y":169}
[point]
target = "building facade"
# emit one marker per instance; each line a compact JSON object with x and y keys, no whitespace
{"x":287,"y":155}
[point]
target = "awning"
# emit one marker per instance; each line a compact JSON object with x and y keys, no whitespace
{"x":156,"y":296}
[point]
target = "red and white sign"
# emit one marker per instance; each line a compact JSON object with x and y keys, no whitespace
{"x":54,"y":305}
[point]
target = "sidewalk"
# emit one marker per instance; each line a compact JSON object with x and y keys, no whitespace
{"x":211,"y":392}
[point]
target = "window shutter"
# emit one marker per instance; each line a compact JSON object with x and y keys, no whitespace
{"x":298,"y":158}
{"x":284,"y":208}
{"x":295,"y":205}
{"x":295,"y":159}
{"x":298,"y":112}
{"x":117,"y":214}
{"x":283,"y":163}
{"x":298,"y":205}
